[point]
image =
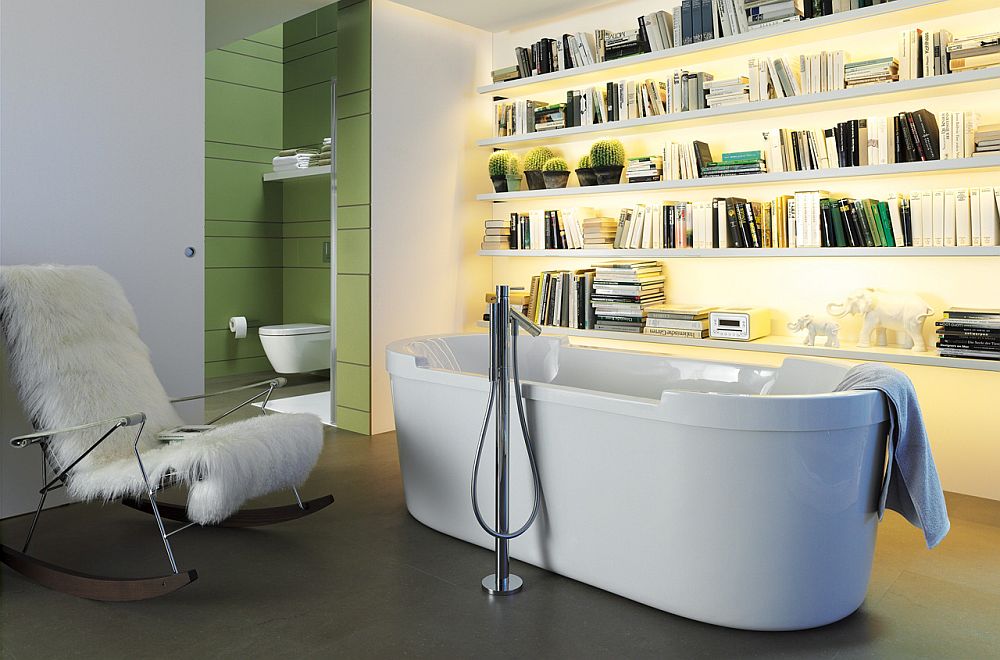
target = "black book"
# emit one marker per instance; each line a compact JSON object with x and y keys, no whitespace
{"x":906,"y":138}
{"x":898,"y":154}
{"x":610,"y":101}
{"x":718,"y":206}
{"x":907,"y":221}
{"x":702,"y":154}
{"x":668,"y":229}
{"x":512,"y":239}
{"x":733,"y":223}
{"x":825,"y":227}
{"x":534,"y":59}
{"x":753,"y":226}
{"x":927,"y":133}
{"x":918,"y":146}
{"x":687,"y":32}
{"x":697,"y":33}
{"x":567,"y":54}
{"x":707,"y":21}
{"x":862,"y":219}
{"x":743,"y":223}
{"x":854,"y":149}
{"x":850,"y":234}
{"x":807,"y":9}
{"x":644,"y":37}
{"x":827,"y":7}
{"x":548,"y":230}
{"x":838,"y":137}
{"x":796,"y":151}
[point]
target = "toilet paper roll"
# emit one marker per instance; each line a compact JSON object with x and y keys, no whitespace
{"x":238,"y":326}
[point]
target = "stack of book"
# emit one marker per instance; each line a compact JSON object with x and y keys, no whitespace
{"x":562,"y":298}
{"x":599,"y":232}
{"x":496,"y":235}
{"x":969,"y":333}
{"x":644,"y":168}
{"x":727,"y":92}
{"x":505,"y":74}
{"x":550,"y":117}
{"x":976,"y":52}
{"x":763,"y":13}
{"x":987,"y":140}
{"x":548,"y":55}
{"x":622,"y":292}
{"x":685,"y":161}
{"x":870,"y":72}
{"x":673,"y":320}
{"x":736,"y":163}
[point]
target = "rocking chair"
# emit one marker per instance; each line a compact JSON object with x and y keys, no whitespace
{"x":76,"y":357}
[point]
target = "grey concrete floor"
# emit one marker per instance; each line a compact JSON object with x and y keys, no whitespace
{"x":364,"y":579}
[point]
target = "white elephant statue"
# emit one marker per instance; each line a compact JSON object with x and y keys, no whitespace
{"x":814,"y":326}
{"x":881,"y":310}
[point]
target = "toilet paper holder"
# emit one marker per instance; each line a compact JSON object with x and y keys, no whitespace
{"x":238,"y":325}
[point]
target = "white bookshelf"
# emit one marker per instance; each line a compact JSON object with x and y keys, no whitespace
{"x":297,"y":173}
{"x":749,"y":253}
{"x":868,"y":19}
{"x":899,"y":91}
{"x":894,"y":169}
{"x":787,"y":346}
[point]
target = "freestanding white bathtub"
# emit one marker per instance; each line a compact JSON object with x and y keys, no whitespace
{"x":734,"y":494}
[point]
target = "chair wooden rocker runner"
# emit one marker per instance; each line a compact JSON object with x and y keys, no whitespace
{"x":75,"y":356}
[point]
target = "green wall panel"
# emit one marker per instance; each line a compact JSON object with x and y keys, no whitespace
{"x":255,"y":49}
{"x":353,"y":386}
{"x":226,"y":151}
{"x":238,"y":114}
{"x":354,"y":251}
{"x":223,"y":345}
{"x":237,"y":367}
{"x":306,"y":200}
{"x":353,"y":319}
{"x":306,"y":48}
{"x":304,"y":252}
{"x":326,"y":19}
{"x":353,"y":217}
{"x":353,"y":420}
{"x":311,"y":70}
{"x":245,"y":229}
{"x":307,"y":229}
{"x":354,"y":160}
{"x":272,"y":36}
{"x":243,"y":252}
{"x":242,"y":70}
{"x":233,"y":191}
{"x":251,"y":292}
{"x":358,"y":103}
{"x":306,"y":295}
{"x":307,"y":115}
{"x":300,"y":29}
{"x":355,"y":48}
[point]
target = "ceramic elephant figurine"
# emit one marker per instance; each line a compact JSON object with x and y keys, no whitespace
{"x":881,"y":310}
{"x":814,"y":326}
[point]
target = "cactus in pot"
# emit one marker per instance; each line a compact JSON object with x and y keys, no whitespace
{"x":534,"y":161}
{"x":607,"y":157}
{"x":584,"y":172}
{"x":504,"y":168}
{"x":555,"y":172}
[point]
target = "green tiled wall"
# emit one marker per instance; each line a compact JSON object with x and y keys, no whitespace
{"x":265,"y":244}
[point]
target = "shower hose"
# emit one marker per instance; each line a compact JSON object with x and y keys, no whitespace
{"x":494,"y":385}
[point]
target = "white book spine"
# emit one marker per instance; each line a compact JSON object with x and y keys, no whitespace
{"x":988,"y":217}
{"x":975,"y":212}
{"x":946,"y":135}
{"x":963,"y":219}
{"x":950,"y":219}
{"x":938,"y":223}
{"x":927,"y":216}
{"x":895,"y":220}
{"x":916,"y":217}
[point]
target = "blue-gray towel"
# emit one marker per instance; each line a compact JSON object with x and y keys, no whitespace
{"x":911,"y":485}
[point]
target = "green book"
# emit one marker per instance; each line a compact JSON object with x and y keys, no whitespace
{"x":874,"y":224}
{"x":840,"y":239}
{"x":866,"y":230}
{"x":883,"y":211}
{"x":742,"y":157}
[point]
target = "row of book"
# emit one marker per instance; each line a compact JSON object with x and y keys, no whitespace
{"x":969,"y":333}
{"x":923,"y":54}
{"x":952,"y":217}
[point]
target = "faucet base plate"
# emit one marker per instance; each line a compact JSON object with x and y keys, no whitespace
{"x":514,"y":585}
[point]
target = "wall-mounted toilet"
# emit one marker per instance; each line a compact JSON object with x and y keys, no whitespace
{"x":296,"y":347}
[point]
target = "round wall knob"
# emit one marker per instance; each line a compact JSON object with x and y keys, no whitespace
{"x":189,"y":251}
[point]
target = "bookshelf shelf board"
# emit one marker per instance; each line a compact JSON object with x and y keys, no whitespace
{"x":786,"y":35}
{"x":904,"y":90}
{"x":895,"y":169}
{"x":298,"y":173}
{"x":788,"y":346}
{"x":749,"y":253}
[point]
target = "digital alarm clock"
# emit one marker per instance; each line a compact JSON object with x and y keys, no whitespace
{"x":739,"y":323}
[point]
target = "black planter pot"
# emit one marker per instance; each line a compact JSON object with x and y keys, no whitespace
{"x":535,"y":179}
{"x":586,"y":176}
{"x":499,"y":182}
{"x":609,"y":175}
{"x":556,"y":179}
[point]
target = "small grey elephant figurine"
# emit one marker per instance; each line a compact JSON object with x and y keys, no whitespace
{"x":880,"y":310}
{"x":813,"y":327}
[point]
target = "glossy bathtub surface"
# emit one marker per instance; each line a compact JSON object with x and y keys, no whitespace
{"x":735,"y":494}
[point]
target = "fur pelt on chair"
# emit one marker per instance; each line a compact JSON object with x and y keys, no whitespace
{"x":76,"y":357}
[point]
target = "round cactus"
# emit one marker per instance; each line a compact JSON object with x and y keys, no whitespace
{"x":607,"y":153}
{"x":535,"y":159}
{"x":584,"y":162}
{"x":555,"y":165}
{"x":503,"y":163}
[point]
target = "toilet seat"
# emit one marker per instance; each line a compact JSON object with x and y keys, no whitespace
{"x":289,"y":329}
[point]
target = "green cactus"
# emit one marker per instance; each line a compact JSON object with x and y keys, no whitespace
{"x":584,"y":162}
{"x":503,"y":163}
{"x":536,"y":158}
{"x":556,"y":165}
{"x":607,"y":153}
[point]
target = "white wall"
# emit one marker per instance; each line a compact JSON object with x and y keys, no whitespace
{"x":426,"y":172}
{"x":102,"y":162}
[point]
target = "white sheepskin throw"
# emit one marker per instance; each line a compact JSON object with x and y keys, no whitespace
{"x":76,"y":357}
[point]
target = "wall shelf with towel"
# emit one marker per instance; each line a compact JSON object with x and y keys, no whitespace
{"x":298,"y":173}
{"x":786,"y":346}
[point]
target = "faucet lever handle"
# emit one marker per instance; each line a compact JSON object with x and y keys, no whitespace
{"x":530,"y":327}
